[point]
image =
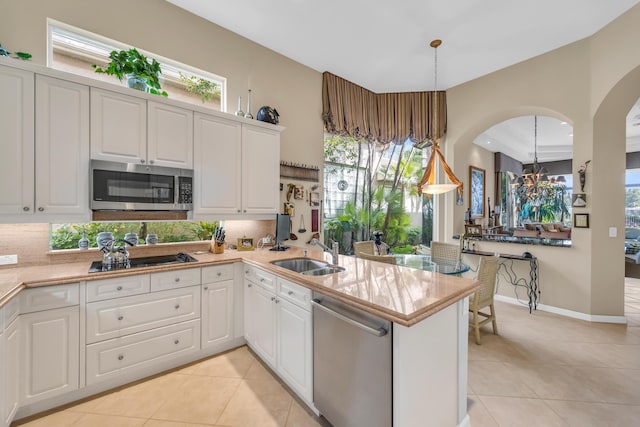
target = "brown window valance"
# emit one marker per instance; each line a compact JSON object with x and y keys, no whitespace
{"x":349,"y":109}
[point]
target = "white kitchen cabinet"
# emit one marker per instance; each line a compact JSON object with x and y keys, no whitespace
{"x":260,"y":170}
{"x":62,"y":148}
{"x":237,"y":167}
{"x":129,"y":129}
{"x":49,"y":353}
{"x":3,"y":375}
{"x":170,"y":136}
{"x":11,"y":371}
{"x":217,"y":174}
{"x":278,"y":327}
{"x":17,"y":126}
{"x":118,"y":127}
{"x":262,"y":322}
{"x":217,"y":305}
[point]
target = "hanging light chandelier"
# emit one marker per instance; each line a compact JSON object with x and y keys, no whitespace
{"x":428,"y":183}
{"x":534,"y":183}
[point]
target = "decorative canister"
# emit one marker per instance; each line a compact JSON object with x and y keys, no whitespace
{"x":103,"y":238}
{"x":83,"y":243}
{"x":152,"y":239}
{"x":131,"y":238}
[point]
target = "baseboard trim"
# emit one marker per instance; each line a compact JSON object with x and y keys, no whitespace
{"x":567,"y":313}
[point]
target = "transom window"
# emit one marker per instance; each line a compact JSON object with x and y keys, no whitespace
{"x":75,"y":50}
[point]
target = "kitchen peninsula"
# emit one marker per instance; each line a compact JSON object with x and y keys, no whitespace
{"x":428,"y":312}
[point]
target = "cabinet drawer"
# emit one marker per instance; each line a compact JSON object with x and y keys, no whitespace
{"x":118,"y":356}
{"x":292,"y":292}
{"x":175,"y":279}
{"x":99,"y":290}
{"x":267,"y":280}
{"x":217,"y":273}
{"x":123,"y":316}
{"x":49,"y":297}
{"x":10,"y":311}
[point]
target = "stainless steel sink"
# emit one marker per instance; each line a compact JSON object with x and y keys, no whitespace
{"x":309,"y":267}
{"x":322,"y":271}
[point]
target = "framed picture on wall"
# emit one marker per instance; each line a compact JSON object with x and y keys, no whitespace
{"x":581,"y":220}
{"x":476,"y":191}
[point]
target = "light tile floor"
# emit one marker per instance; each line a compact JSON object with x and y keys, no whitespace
{"x":542,"y":370}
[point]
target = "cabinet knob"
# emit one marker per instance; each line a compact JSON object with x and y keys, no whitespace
{"x":277,"y":300}
{"x":176,"y":342}
{"x":248,"y":285}
{"x":273,"y":298}
{"x":151,"y":162}
{"x":262,"y":280}
{"x":238,"y":210}
{"x":177,"y":279}
{"x":141,"y":160}
{"x":245,"y":211}
{"x":219,"y":273}
{"x":40,"y":209}
{"x":177,"y":306}
{"x":205,"y":288}
{"x":120,"y":317}
{"x":246,"y":272}
{"x":120,"y":357}
{"x":26,"y":209}
{"x":290,"y":292}
{"x":119,"y":288}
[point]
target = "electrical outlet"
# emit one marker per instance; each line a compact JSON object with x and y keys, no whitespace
{"x":8,"y":259}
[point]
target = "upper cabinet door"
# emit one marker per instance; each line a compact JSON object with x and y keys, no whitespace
{"x":118,"y":127}
{"x":16,"y":128}
{"x":170,"y":138}
{"x":217,"y":158}
{"x":260,"y":170}
{"x":62,"y":147}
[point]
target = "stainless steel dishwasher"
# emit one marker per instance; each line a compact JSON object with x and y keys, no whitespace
{"x":351,"y":365}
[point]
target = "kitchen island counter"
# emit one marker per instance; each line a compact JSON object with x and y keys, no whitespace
{"x":400,"y":294}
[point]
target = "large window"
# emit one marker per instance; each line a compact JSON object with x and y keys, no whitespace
{"x":371,"y":188}
{"x":75,"y":50}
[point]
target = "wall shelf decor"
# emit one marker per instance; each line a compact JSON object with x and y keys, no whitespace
{"x":298,"y":171}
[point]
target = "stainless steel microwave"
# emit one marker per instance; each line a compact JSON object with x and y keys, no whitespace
{"x":135,"y":187}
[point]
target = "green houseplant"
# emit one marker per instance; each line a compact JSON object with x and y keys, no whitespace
{"x":141,"y":74}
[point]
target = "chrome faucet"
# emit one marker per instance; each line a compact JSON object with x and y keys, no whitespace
{"x":333,"y":250}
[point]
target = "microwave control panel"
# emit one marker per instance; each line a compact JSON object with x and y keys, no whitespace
{"x":185,"y":195}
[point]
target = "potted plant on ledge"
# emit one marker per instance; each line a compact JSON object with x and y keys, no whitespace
{"x":140,"y":73}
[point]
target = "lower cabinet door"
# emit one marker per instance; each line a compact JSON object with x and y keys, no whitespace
{"x":217,"y":313}
{"x":49,"y":353}
{"x":295,"y":357}
{"x":124,"y":355}
{"x":263,"y":318}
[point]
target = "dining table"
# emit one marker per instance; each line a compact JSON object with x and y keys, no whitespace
{"x":429,"y":263}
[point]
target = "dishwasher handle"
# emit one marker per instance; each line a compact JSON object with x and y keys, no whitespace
{"x":380,"y":332}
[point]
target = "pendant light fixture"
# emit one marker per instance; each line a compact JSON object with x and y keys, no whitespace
{"x":428,"y":183}
{"x":534,"y":183}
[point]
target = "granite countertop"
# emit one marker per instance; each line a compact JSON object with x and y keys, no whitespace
{"x":400,"y":294}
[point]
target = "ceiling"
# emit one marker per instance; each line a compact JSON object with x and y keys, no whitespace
{"x":384,"y":46}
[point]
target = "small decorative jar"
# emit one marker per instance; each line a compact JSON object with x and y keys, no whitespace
{"x":152,"y":239}
{"x":131,"y":238}
{"x":103,"y":239}
{"x":83,"y":243}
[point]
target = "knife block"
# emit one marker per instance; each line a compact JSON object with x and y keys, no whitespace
{"x":218,"y":248}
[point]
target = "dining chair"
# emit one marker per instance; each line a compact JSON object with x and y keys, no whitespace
{"x":365,"y":247}
{"x":380,"y":258}
{"x":483,"y":297}
{"x":446,"y":251}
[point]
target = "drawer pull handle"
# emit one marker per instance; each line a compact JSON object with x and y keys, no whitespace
{"x":177,"y":306}
{"x":277,"y":300}
{"x":273,"y":298}
{"x":290,"y":292}
{"x":262,"y":279}
{"x":176,"y":342}
{"x":119,"y":288}
{"x":120,"y":357}
{"x":120,"y":317}
{"x":177,"y":279}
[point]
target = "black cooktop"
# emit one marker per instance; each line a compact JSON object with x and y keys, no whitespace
{"x":151,"y":261}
